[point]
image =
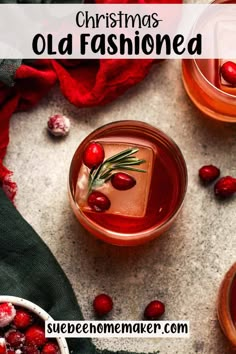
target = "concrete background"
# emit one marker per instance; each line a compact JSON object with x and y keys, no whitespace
{"x":185,"y":266}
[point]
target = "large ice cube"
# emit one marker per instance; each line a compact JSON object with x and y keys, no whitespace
{"x":132,"y":202}
{"x":225,"y":38}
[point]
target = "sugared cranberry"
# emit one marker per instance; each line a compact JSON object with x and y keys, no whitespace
{"x":122,"y":181}
{"x":15,"y":338}
{"x":50,"y":348}
{"x":22,"y":319}
{"x":58,"y":125}
{"x":225,"y":187}
{"x":18,"y":351}
{"x":209,"y":173}
{"x":102,"y":304}
{"x":35,"y":335}
{"x":228,"y":72}
{"x":30,"y":349}
{"x":98,"y":201}
{"x":154,"y":310}
{"x":7,"y":313}
{"x":3,"y":348}
{"x":93,"y":155}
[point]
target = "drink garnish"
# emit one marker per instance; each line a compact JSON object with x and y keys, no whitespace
{"x":120,"y":161}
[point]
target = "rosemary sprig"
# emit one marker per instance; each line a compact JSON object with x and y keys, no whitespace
{"x":121,"y":161}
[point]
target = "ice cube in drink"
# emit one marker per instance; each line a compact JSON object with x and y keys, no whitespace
{"x":225,"y":37}
{"x":132,"y":202}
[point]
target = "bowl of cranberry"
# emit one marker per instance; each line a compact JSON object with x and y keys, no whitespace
{"x":22,"y":329}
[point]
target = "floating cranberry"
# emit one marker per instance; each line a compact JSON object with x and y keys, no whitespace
{"x":225,"y":187}
{"x":209,"y":173}
{"x":35,"y":335}
{"x":228,"y":72}
{"x":102,"y":304}
{"x":22,"y":319}
{"x":50,"y":348}
{"x":122,"y":181}
{"x":3,"y":348}
{"x":154,"y":310}
{"x":30,"y":349}
{"x":15,"y":338}
{"x":93,"y":155}
{"x":98,"y":201}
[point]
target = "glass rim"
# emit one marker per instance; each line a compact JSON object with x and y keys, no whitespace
{"x":151,"y":230}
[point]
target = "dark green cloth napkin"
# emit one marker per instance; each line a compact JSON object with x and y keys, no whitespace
{"x":28,"y":269}
{"x":8,"y":68}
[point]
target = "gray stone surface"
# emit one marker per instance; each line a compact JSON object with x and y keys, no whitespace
{"x":185,"y":266}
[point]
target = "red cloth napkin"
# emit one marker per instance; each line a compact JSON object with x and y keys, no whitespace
{"x":83,"y":82}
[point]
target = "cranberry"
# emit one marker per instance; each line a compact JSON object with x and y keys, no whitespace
{"x":3,"y":348}
{"x":11,"y":351}
{"x":58,"y":125}
{"x":102,"y":304}
{"x":7,"y":313}
{"x":154,"y":310}
{"x":122,"y":181}
{"x":98,"y":201}
{"x":35,"y":335}
{"x":228,"y":72}
{"x":22,"y":319}
{"x":18,"y":351}
{"x":225,"y":187}
{"x":30,"y":349}
{"x":50,"y":348}
{"x":93,"y":155}
{"x":15,"y":338}
{"x":209,"y":173}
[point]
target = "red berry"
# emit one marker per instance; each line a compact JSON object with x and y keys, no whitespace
{"x":98,"y":201}
{"x":7,"y":313}
{"x":93,"y":155}
{"x":209,"y":173}
{"x":35,"y":335}
{"x":122,"y":181}
{"x":225,"y":187}
{"x":154,"y":310}
{"x":3,"y":348}
{"x":30,"y":349}
{"x":50,"y":348}
{"x":11,"y":351}
{"x":58,"y":125}
{"x":22,"y":319}
{"x":15,"y":338}
{"x":228,"y":72}
{"x":102,"y":304}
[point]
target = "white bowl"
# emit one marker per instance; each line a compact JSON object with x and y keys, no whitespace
{"x":39,"y":312}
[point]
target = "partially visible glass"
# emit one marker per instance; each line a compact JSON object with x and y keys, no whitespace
{"x":227,"y":305}
{"x":208,"y":98}
{"x":205,"y":86}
